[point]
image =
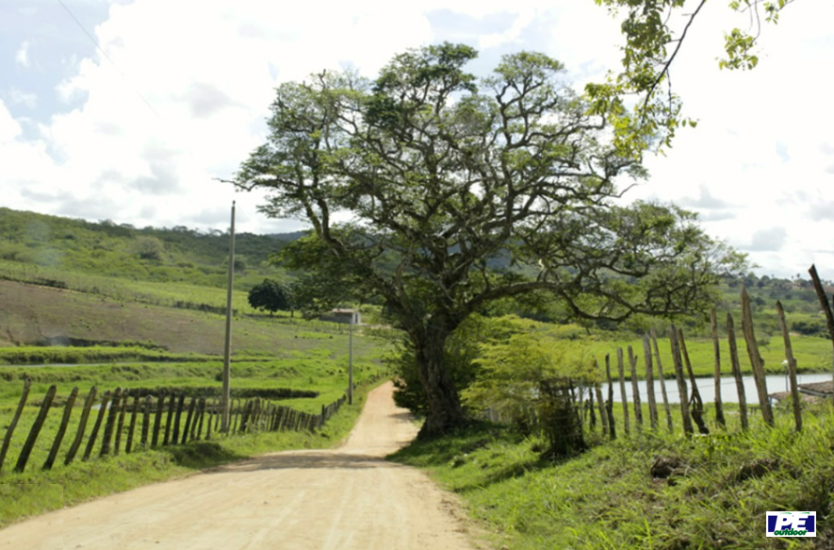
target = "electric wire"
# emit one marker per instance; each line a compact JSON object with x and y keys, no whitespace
{"x":100,"y":49}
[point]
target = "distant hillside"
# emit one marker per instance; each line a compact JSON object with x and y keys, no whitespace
{"x":178,"y":254}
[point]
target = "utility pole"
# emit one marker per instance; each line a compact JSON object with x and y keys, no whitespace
{"x":227,"y":348}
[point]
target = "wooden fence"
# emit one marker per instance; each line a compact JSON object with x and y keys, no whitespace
{"x":691,"y":405}
{"x":130,"y":421}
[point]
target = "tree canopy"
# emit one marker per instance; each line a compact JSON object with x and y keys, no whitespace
{"x":272,"y":296}
{"x":655,"y":31}
{"x":415,"y":182}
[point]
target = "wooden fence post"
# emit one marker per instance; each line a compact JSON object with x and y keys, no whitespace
{"x":755,"y":359}
{"x":105,"y":400}
{"x":188,"y":419}
{"x":146,"y":421}
{"x":647,"y":358}
{"x":682,"y":392}
{"x":7,"y":439}
{"x":36,"y":429}
{"x":716,"y":349}
{"x":237,"y":416}
{"x":62,"y":429}
{"x":175,"y":436}
{"x":197,"y":426}
{"x":660,"y":375}
{"x":111,"y":422}
{"x":697,"y":410}
{"x":635,"y":389}
{"x":797,"y":404}
{"x":169,"y":418}
{"x":157,"y":421}
{"x":609,"y":405}
{"x":620,"y":370}
{"x":826,"y":307}
{"x":82,"y":426}
{"x":736,"y":368}
{"x":121,"y":423}
{"x":131,"y":430}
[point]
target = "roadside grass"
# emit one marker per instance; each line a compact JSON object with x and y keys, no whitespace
{"x":719,"y":489}
{"x":36,"y":491}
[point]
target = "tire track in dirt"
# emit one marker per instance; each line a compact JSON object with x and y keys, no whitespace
{"x":343,"y":499}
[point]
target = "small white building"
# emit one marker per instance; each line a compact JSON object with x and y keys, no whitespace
{"x":346,"y":316}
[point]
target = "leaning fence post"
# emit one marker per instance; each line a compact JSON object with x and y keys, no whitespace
{"x":111,"y":421}
{"x":121,"y":423}
{"x":755,"y":358}
{"x":105,"y":399}
{"x":175,"y":436}
{"x":146,"y":421}
{"x":736,"y":368}
{"x":82,"y":425}
{"x":157,"y":421}
{"x":7,"y":439}
{"x":609,"y":405}
{"x":169,"y":419}
{"x":697,"y":410}
{"x":682,"y":392}
{"x":131,"y":430}
{"x":647,"y":358}
{"x":826,"y":307}
{"x":797,"y":405}
{"x":620,"y":369}
{"x":36,"y":429}
{"x":716,"y":348}
{"x":663,"y":393}
{"x":635,"y":389}
{"x":62,"y":429}
{"x":188,"y":420}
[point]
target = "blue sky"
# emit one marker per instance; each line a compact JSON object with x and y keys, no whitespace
{"x":142,"y":141}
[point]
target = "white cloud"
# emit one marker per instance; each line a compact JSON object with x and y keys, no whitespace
{"x":9,"y":128}
{"x":23,"y":98}
{"x":22,"y":55}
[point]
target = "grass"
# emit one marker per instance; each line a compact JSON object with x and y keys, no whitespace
{"x":36,"y":491}
{"x":607,"y":497}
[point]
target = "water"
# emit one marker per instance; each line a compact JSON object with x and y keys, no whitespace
{"x":706,"y":386}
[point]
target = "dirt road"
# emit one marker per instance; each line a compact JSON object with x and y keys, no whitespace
{"x":343,"y":499}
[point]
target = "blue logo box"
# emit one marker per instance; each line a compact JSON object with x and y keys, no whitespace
{"x":791,"y":524}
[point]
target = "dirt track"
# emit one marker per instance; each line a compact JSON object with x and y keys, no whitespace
{"x":344,"y":499}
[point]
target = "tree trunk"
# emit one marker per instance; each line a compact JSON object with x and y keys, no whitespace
{"x":444,"y":409}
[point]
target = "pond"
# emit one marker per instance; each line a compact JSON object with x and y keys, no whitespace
{"x":706,"y":386}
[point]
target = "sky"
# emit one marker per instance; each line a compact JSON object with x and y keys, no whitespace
{"x":139,"y":129}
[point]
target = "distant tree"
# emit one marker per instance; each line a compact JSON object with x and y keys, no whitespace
{"x":148,"y":248}
{"x":272,"y":296}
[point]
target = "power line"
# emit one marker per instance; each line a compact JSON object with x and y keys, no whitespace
{"x":100,"y":49}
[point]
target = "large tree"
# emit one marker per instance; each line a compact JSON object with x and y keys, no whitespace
{"x":435,"y":174}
